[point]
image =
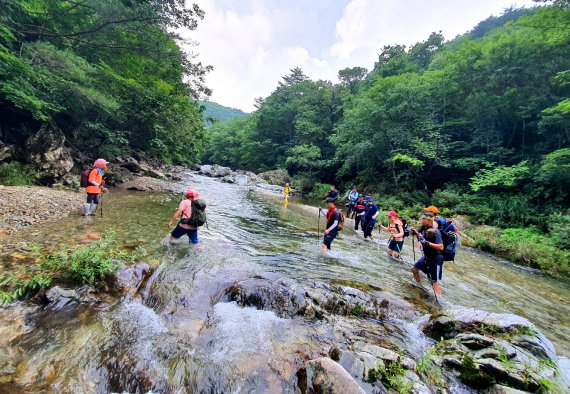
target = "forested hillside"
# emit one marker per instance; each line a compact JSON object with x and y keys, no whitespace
{"x":105,"y":75}
{"x":478,"y":125}
{"x":216,"y":112}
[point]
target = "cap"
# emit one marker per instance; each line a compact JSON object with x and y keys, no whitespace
{"x":100,"y":163}
{"x":191,"y":193}
{"x":368,"y":199}
{"x":392,"y":213}
{"x":330,"y":200}
{"x":432,"y":209}
{"x":361,"y":195}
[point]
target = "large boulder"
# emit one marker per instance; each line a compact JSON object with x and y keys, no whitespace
{"x":7,"y":152}
{"x":47,"y":153}
{"x":323,"y":375}
{"x":485,"y":349}
{"x":275,"y":177}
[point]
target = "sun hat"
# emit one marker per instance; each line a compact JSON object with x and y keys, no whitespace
{"x":100,"y":163}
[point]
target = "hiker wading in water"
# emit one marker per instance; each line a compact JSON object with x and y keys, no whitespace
{"x":370,"y":214}
{"x":431,"y":263}
{"x":396,"y":230}
{"x":185,"y":212}
{"x":332,"y":226}
{"x":95,"y":186}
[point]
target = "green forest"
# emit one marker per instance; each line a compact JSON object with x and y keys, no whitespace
{"x":214,"y":112}
{"x":108,"y":75}
{"x":478,"y":126}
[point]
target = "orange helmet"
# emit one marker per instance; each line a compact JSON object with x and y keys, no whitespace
{"x":432,"y":209}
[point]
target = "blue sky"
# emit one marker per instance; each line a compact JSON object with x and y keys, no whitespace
{"x":252,"y":43}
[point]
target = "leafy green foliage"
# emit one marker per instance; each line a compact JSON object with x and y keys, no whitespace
{"x":76,"y":264}
{"x":87,"y":263}
{"x":13,"y":288}
{"x":16,"y":174}
{"x":501,"y":177}
{"x":109,"y":74}
{"x":526,"y":246}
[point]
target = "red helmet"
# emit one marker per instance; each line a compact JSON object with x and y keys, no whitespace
{"x":100,"y":163}
{"x":191,"y":193}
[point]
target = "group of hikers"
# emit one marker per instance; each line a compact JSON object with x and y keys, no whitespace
{"x":436,"y":237}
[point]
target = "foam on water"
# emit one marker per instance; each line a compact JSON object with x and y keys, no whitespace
{"x":240,"y":332}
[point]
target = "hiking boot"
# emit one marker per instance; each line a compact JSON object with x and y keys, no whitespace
{"x":86,"y":209}
{"x":92,"y":209}
{"x":417,"y":285}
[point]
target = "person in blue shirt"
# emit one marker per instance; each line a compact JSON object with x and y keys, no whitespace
{"x":332,"y":194}
{"x":352,"y":197}
{"x":370,"y":213}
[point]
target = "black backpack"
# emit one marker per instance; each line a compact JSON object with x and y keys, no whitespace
{"x":198,"y":217}
{"x":406,"y":228}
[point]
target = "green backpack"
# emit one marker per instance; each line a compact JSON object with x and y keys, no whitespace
{"x":198,"y":217}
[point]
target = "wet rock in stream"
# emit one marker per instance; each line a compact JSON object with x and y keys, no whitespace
{"x":489,"y":349}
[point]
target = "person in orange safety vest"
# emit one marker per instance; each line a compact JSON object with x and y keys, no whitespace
{"x":95,"y":187}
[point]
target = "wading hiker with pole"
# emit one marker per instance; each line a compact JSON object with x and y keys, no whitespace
{"x":93,"y":181}
{"x":398,"y":229}
{"x":431,"y":263}
{"x":335,"y":223}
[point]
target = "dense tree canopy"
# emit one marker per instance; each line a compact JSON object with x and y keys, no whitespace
{"x":108,"y":73}
{"x":485,"y":113}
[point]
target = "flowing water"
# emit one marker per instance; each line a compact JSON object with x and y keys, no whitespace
{"x":184,"y":335}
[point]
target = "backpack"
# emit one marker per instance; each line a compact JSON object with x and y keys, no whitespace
{"x":405,"y":226}
{"x":198,"y":217}
{"x":84,"y":182}
{"x":449,"y":239}
{"x":341,"y":219}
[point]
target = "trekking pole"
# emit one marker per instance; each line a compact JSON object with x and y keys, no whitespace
{"x":319,"y":225}
{"x":101,"y":202}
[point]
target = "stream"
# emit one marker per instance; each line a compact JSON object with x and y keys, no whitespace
{"x":184,"y":334}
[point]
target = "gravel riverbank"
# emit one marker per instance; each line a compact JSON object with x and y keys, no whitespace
{"x":24,"y":206}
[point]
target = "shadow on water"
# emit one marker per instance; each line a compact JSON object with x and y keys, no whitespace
{"x":183,"y":335}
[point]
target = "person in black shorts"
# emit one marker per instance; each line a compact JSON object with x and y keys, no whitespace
{"x":431,"y":263}
{"x":333,"y":219}
{"x":359,"y":208}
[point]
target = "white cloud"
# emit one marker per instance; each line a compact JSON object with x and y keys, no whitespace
{"x":252,"y":43}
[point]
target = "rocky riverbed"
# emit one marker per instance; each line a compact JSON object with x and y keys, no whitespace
{"x":25,"y":206}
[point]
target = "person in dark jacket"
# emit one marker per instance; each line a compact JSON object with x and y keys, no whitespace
{"x":333,"y":219}
{"x":370,"y":213}
{"x":332,"y":194}
{"x":359,"y":208}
